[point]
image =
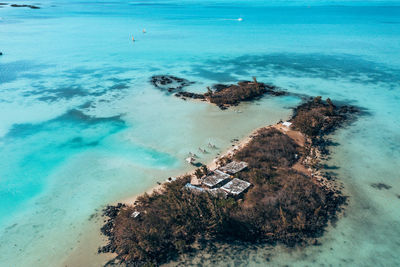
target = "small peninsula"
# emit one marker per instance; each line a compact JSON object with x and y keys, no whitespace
{"x":271,"y":188}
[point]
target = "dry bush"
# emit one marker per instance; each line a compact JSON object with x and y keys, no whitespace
{"x":171,"y":220}
{"x":288,"y":210}
{"x":316,"y":117}
{"x":269,"y":147}
{"x":235,"y":94}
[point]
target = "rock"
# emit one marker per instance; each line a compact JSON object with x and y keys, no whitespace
{"x":219,"y":87}
{"x":107,"y":228}
{"x":109,"y":248}
{"x":316,"y":242}
{"x":381,"y":186}
{"x":169,"y":83}
{"x":222,"y":107}
{"x":112,"y":211}
{"x":276,"y":93}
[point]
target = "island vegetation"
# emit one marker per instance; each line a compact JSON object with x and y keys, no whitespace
{"x":221,"y":95}
{"x":231,"y":95}
{"x":290,"y":201}
{"x":225,"y":96}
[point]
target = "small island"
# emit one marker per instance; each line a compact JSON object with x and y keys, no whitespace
{"x":221,"y":95}
{"x":271,"y":188}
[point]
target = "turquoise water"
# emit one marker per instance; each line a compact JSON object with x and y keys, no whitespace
{"x":80,"y":126}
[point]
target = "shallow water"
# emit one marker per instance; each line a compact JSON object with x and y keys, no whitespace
{"x":80,"y":126}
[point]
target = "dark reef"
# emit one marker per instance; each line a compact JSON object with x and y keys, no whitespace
{"x":168,"y":83}
{"x":381,"y":186}
{"x":30,"y":6}
{"x":18,"y":5}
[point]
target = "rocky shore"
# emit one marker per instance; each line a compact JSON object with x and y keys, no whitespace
{"x":169,"y":83}
{"x":221,"y":95}
{"x":231,"y":95}
{"x":292,"y":199}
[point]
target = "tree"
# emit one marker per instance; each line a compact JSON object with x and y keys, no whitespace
{"x":198,"y":173}
{"x":204,"y":169}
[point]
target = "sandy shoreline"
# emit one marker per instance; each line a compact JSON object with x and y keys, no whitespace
{"x":211,"y":166}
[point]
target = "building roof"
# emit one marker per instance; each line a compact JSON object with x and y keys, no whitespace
{"x":215,"y":178}
{"x":193,"y":189}
{"x":217,"y":192}
{"x":287,"y":124}
{"x":234,"y":167}
{"x":236,"y":186}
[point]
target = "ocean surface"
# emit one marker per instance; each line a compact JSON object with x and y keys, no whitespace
{"x":81,"y":126}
